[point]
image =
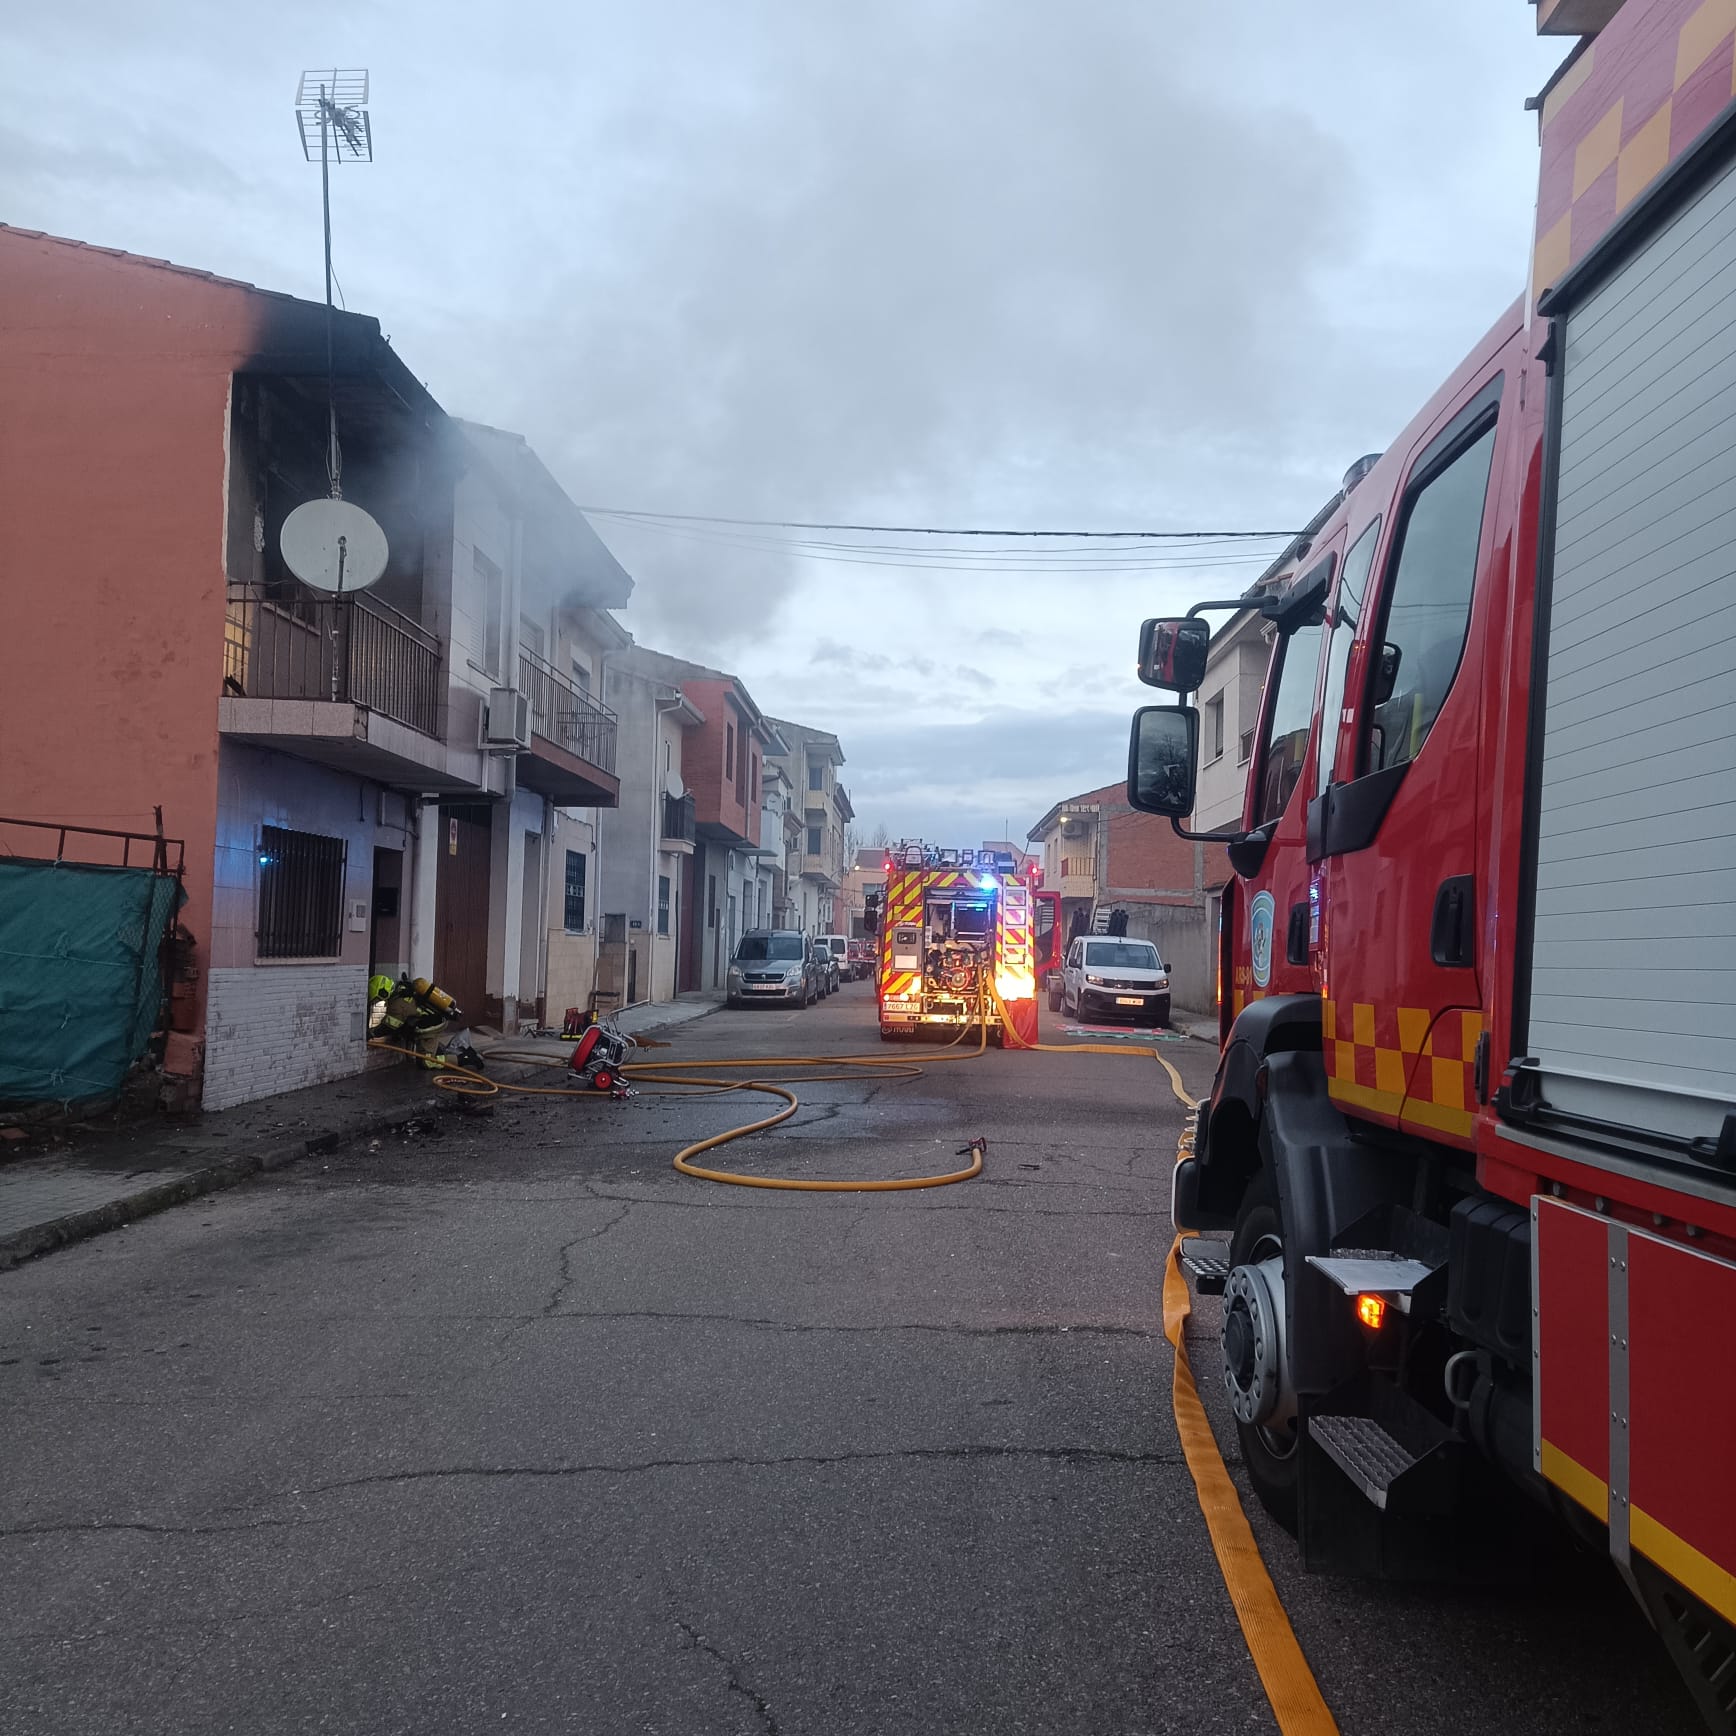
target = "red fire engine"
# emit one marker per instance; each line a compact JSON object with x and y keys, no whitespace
{"x":1472,"y":1139}
{"x":954,"y":925}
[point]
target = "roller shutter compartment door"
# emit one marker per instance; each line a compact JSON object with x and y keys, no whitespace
{"x":1633,"y":984}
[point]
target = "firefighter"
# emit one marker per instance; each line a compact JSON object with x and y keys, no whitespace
{"x":416,"y":1012}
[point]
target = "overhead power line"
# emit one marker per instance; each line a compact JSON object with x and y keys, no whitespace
{"x":652,"y":518}
{"x":983,"y":560}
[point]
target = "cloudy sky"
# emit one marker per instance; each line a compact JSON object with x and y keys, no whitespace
{"x":1035,"y":263}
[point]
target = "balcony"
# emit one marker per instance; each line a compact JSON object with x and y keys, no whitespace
{"x":1078,"y":877}
{"x":1573,"y":17}
{"x":343,"y":681}
{"x":571,"y":758}
{"x":679,"y":830}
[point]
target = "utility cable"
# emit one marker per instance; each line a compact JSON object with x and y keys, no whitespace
{"x":934,"y":530}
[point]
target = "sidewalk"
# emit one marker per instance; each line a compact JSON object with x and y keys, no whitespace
{"x":654,"y":1015}
{"x":104,"y":1173}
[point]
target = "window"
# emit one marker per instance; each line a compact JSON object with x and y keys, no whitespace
{"x":767,"y":948}
{"x":753,"y":791}
{"x":1245,"y":747}
{"x":741,"y":743}
{"x":728,"y":752}
{"x":1296,"y":661}
{"x":581,"y":675}
{"x":1346,"y":611}
{"x":1122,"y":955}
{"x":662,"y":903}
{"x":667,"y":763}
{"x":301,"y":894}
{"x":813,"y":840}
{"x":573,"y":919}
{"x":1214,"y":721}
{"x":816,"y":775}
{"x":493,"y":610}
{"x":1429,"y":605}
{"x":711,"y":901}
{"x":532,"y":636}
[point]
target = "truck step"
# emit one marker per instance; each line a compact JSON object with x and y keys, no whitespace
{"x":1398,"y":1455}
{"x":1377,"y":1270}
{"x":1208,"y":1263}
{"x":1364,"y":1452}
{"x":1702,"y":1644}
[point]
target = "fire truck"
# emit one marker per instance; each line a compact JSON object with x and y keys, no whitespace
{"x":954,"y":925}
{"x":1470,"y":1152}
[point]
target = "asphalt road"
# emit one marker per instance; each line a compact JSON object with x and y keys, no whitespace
{"x":507,"y":1425}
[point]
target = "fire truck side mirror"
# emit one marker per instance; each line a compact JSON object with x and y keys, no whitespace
{"x":1172,"y":654}
{"x":1162,"y":754}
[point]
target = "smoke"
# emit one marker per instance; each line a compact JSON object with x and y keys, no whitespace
{"x":959,"y":258}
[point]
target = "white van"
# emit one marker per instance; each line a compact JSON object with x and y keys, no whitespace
{"x":1111,"y":977}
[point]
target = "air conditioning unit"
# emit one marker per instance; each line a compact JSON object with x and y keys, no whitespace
{"x":506,"y":720}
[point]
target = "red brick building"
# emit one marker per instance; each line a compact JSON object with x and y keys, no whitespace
{"x":1102,"y":856}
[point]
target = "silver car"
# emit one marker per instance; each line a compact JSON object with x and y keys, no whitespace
{"x":772,"y":964}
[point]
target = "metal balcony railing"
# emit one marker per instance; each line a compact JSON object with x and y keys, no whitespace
{"x":560,"y":713}
{"x":348,"y":649}
{"x":678,"y":819}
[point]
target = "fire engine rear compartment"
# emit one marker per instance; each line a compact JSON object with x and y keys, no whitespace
{"x":1632,"y":936}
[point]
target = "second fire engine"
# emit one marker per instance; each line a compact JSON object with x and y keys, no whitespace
{"x":963,"y":934}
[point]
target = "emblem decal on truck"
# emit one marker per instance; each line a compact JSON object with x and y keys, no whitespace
{"x":1260,"y":920}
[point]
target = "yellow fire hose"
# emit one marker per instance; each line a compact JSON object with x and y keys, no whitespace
{"x":467,"y":1082}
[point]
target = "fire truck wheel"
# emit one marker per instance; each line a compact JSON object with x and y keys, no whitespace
{"x":1270,"y":1452}
{"x":1054,"y":997}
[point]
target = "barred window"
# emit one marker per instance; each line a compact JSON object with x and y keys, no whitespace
{"x":662,"y":903}
{"x":301,"y":894}
{"x":574,"y":915}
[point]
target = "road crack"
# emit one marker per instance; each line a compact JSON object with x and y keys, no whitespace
{"x":566,"y":1279}
{"x":733,"y":1678}
{"x":145,"y":1527}
{"x":963,"y":1454}
{"x":764,"y":1323}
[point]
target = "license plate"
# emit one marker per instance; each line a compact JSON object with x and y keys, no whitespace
{"x":1130,"y":1000}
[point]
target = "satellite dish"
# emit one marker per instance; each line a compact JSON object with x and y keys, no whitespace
{"x":333,"y":546}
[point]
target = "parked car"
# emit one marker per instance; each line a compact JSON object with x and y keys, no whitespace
{"x":826,"y":963}
{"x":772,"y":964}
{"x":848,"y":968}
{"x":1110,"y":978}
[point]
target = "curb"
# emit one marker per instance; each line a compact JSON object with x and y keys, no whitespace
{"x":44,"y":1238}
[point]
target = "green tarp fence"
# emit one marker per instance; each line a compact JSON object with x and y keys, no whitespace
{"x":80,"y":983}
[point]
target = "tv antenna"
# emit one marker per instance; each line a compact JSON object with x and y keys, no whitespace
{"x":331,"y":109}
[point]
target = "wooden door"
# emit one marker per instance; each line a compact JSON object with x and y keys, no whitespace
{"x":461,"y":908}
